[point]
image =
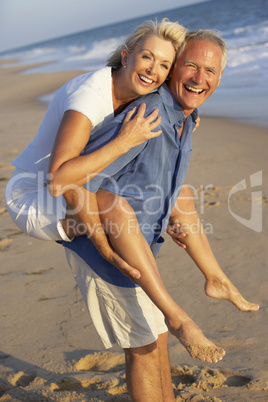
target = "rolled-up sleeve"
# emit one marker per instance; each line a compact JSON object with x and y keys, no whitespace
{"x":106,"y":134}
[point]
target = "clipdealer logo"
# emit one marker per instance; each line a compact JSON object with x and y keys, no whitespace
{"x":255,"y":220}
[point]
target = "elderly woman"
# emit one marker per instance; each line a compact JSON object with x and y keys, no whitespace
{"x":136,"y":68}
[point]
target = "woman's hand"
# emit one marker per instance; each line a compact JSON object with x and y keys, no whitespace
{"x":136,"y":128}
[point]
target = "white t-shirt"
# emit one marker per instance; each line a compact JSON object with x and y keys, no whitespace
{"x":90,"y":94}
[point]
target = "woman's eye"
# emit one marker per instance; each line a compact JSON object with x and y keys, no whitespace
{"x":165,"y":66}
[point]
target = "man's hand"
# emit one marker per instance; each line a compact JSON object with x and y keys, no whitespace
{"x":174,"y":230}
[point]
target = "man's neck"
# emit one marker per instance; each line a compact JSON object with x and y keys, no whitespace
{"x":187,"y":112}
{"x":181,"y":130}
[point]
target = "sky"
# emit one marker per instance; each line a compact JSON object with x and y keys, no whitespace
{"x":23,"y":22}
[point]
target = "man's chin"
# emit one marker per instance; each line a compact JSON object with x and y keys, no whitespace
{"x":192,"y":102}
{"x":195,"y":104}
{"x":188,"y":108}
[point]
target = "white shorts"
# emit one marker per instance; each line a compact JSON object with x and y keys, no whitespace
{"x":32,"y":208}
{"x":120,"y":315}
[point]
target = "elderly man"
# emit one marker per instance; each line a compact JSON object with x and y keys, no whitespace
{"x":122,"y":312}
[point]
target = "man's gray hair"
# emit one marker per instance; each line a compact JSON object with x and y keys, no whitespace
{"x":209,"y":35}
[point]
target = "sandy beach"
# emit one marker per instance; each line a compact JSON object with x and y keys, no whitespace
{"x":49,"y":348}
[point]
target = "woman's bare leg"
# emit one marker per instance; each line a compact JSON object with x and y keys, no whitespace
{"x":121,"y":224}
{"x":197,"y":246}
{"x":82,"y":218}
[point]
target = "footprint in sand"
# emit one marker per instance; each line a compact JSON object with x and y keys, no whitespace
{"x":206,"y":378}
{"x":5,"y":243}
{"x":221,"y":196}
{"x":89,"y":382}
{"x":98,"y":372}
{"x":212,"y":193}
{"x":21,"y":379}
{"x":101,"y":361}
{"x":213,"y":204}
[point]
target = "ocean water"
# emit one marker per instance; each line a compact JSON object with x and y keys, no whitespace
{"x":243,"y":24}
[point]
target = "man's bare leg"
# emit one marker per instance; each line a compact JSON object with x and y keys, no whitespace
{"x":197,"y":246}
{"x":148,"y":372}
{"x":143,"y":375}
{"x":165,"y":368}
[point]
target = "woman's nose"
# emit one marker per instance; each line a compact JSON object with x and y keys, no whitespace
{"x":152,"y":68}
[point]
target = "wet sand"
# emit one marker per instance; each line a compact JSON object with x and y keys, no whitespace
{"x":49,"y":348}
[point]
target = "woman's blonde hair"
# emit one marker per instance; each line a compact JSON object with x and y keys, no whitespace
{"x":166,"y":30}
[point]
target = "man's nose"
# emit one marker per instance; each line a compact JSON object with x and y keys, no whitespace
{"x":199,"y":76}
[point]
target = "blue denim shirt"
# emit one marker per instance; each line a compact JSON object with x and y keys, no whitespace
{"x":149,"y":177}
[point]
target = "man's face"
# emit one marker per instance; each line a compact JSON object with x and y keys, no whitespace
{"x":196,"y":74}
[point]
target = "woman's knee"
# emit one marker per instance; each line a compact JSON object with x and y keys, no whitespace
{"x":113,"y":204}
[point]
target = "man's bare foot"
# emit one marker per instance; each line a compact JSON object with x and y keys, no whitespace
{"x":224,"y":289}
{"x":196,"y":343}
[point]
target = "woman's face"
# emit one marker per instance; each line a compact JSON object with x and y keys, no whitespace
{"x":148,"y":65}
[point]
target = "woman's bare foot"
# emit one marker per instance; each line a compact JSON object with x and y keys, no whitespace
{"x":196,"y":343}
{"x":224,"y":289}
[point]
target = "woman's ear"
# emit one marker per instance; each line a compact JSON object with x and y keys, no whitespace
{"x":124,"y":57}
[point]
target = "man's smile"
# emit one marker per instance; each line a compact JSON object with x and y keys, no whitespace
{"x":192,"y":89}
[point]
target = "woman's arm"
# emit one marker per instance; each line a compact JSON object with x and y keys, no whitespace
{"x":69,"y":171}
{"x":67,"y":167}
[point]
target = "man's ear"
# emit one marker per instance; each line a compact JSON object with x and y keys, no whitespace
{"x":172,"y":68}
{"x":170,"y":74}
{"x":220,"y":78}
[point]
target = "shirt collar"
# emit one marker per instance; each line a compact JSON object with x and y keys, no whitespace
{"x":172,"y":107}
